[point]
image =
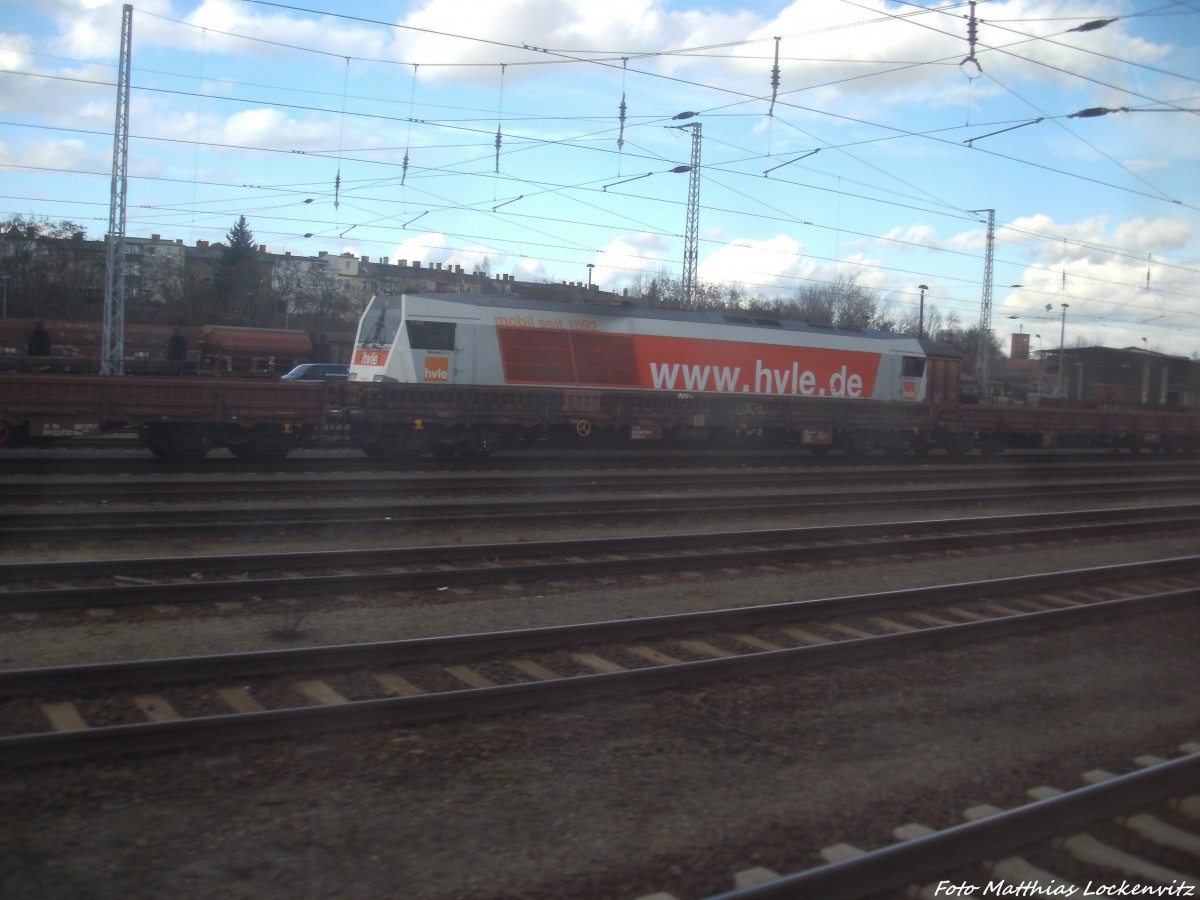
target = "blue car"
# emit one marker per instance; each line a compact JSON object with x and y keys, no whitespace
{"x":318,"y":372}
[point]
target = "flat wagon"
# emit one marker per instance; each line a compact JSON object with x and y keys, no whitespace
{"x":179,"y":419}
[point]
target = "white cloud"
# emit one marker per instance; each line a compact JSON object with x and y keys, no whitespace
{"x":427,"y":249}
{"x":912,"y":237}
{"x":461,"y":32}
{"x":433,"y":248}
{"x":1109,"y":298}
{"x":776,"y":262}
{"x":67,"y":154}
{"x":1147,"y":165}
{"x":625,"y":259}
{"x":275,"y":28}
{"x":263,"y":127}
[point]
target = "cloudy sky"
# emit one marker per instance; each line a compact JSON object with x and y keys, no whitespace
{"x":538,"y":137}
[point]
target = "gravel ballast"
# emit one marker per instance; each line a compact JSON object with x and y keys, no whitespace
{"x":673,"y":791}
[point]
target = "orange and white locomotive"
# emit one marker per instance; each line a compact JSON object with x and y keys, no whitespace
{"x":486,"y":340}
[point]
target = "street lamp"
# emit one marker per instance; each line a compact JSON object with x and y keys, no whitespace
{"x":1041,"y":365}
{"x":1145,"y":373}
{"x":921,"y":320}
{"x":590,"y":266}
{"x":1062,"y":332}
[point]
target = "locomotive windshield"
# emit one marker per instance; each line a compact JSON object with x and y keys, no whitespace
{"x":381,"y":322}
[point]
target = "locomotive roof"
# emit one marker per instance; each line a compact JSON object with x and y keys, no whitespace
{"x":938,"y":348}
{"x":745,"y":318}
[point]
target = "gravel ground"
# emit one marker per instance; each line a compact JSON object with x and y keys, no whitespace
{"x":672,"y":791}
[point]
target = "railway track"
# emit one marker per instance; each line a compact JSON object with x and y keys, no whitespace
{"x":24,"y":525}
{"x":72,"y":712}
{"x":132,"y":459}
{"x":1141,"y":826}
{"x":174,"y":489}
{"x":112,"y":583}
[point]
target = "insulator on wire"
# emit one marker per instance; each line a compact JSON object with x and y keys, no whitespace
{"x":621,"y":133}
{"x":500,"y":115}
{"x":975,"y":70}
{"x":774,"y":80}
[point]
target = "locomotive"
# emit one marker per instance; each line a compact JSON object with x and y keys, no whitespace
{"x":477,"y":339}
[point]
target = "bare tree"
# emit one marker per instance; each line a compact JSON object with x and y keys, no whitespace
{"x":844,"y":303}
{"x":48,"y":275}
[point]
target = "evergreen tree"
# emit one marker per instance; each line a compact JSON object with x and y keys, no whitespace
{"x":241,"y":280}
{"x":240,"y":245}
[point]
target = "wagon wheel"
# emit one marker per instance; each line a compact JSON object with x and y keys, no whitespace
{"x":479,"y":446}
{"x":265,"y":448}
{"x":180,"y":444}
{"x":444,"y":449}
{"x":583,"y":427}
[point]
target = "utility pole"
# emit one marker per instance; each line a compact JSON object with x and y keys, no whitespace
{"x":112,"y":358}
{"x":921,"y":321}
{"x":1062,"y":349}
{"x":983,"y":355}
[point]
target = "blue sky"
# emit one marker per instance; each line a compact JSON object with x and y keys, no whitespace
{"x":885,"y":135}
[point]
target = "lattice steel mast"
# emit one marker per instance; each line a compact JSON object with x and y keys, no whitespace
{"x":983,"y":356}
{"x":691,"y":238}
{"x":112,"y":357}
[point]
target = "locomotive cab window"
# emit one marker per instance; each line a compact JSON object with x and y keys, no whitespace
{"x":379,"y":325}
{"x":914,"y":367}
{"x":430,"y":335}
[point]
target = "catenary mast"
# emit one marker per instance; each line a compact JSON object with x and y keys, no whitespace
{"x":983,"y":355}
{"x":691,"y":237}
{"x":112,"y":353}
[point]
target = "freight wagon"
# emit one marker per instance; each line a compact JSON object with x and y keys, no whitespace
{"x":64,"y":346}
{"x":178,"y":419}
{"x":992,"y":428}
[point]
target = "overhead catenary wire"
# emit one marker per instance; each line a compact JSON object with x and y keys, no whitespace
{"x":410,"y":125}
{"x":260,"y":149}
{"x":337,"y":184}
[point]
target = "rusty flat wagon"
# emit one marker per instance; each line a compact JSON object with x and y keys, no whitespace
{"x":179,"y":419}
